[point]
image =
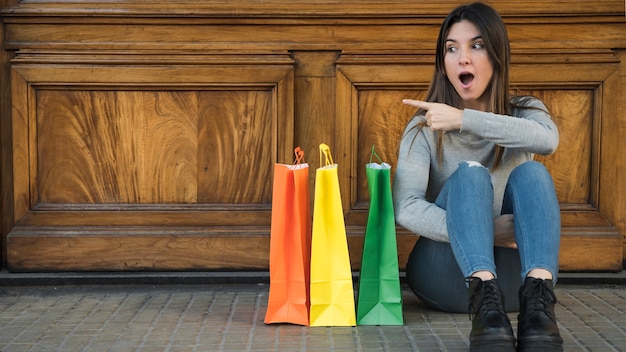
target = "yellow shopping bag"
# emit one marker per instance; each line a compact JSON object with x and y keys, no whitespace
{"x":332,"y":291}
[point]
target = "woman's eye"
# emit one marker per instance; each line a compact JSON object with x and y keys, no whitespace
{"x":478,"y":46}
{"x":451,"y":49}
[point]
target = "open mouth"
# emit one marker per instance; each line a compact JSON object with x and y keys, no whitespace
{"x":466,"y":78}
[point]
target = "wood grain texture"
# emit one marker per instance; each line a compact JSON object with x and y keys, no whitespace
{"x":113,"y":248}
{"x":154,"y":147}
{"x":234,"y":152}
{"x":117,"y":147}
{"x":201,"y":248}
{"x":570,"y":166}
{"x":144,"y":137}
{"x":382,"y":120}
{"x":617,"y":154}
{"x":20,"y":145}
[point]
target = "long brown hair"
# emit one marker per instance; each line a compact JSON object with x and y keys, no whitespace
{"x":496,"y":40}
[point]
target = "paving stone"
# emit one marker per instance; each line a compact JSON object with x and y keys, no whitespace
{"x":230,"y":318}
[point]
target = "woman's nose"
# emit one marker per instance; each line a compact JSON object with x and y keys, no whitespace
{"x":464,"y":58}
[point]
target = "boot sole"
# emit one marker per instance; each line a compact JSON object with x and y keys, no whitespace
{"x":493,"y":346}
{"x":543,"y":346}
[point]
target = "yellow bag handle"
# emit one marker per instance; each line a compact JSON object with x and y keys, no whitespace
{"x":325,"y":155}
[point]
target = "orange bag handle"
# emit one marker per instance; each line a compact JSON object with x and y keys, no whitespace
{"x":325,"y":155}
{"x":299,"y":156}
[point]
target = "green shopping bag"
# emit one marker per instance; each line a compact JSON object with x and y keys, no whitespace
{"x":379,"y":299}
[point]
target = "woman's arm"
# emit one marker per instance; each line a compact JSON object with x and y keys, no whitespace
{"x":532,"y":130}
{"x":412,"y":210}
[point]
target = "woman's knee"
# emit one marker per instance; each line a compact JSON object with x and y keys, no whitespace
{"x":534,"y":176}
{"x":473,"y":172}
{"x":531,"y":169}
{"x":473,"y":167}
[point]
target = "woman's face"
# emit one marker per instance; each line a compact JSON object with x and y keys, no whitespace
{"x":467,"y":64}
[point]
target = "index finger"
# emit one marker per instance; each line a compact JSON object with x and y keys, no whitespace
{"x":417,"y":103}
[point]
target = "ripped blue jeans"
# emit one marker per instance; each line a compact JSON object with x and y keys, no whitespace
{"x":435,"y":270}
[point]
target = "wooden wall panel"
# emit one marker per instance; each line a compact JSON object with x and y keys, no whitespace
{"x":570,"y":166}
{"x":617,"y":214}
{"x":144,"y":170}
{"x":235,"y":159}
{"x":154,"y":147}
{"x":99,"y":147}
{"x":144,"y":138}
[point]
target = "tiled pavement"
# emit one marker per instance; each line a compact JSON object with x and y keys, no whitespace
{"x":214,"y":317}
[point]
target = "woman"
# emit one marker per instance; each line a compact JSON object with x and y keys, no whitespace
{"x":488,"y":215}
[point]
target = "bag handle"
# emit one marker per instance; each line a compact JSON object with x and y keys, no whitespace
{"x":299,"y":156}
{"x":374,"y":153}
{"x":325,"y":155}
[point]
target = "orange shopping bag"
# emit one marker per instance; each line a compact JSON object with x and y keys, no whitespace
{"x":290,"y":239}
{"x":332,"y":291}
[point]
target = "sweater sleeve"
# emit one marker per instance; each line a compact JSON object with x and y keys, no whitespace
{"x":412,"y":210}
{"x":531,"y":130}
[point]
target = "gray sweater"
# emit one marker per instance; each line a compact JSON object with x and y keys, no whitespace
{"x":420,"y":177}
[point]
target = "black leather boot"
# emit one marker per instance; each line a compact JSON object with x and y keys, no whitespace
{"x":491,"y":327}
{"x":536,"y":322}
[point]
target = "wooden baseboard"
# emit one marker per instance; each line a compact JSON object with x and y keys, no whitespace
{"x":184,"y":248}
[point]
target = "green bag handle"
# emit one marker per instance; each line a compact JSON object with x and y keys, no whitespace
{"x":374,"y":153}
